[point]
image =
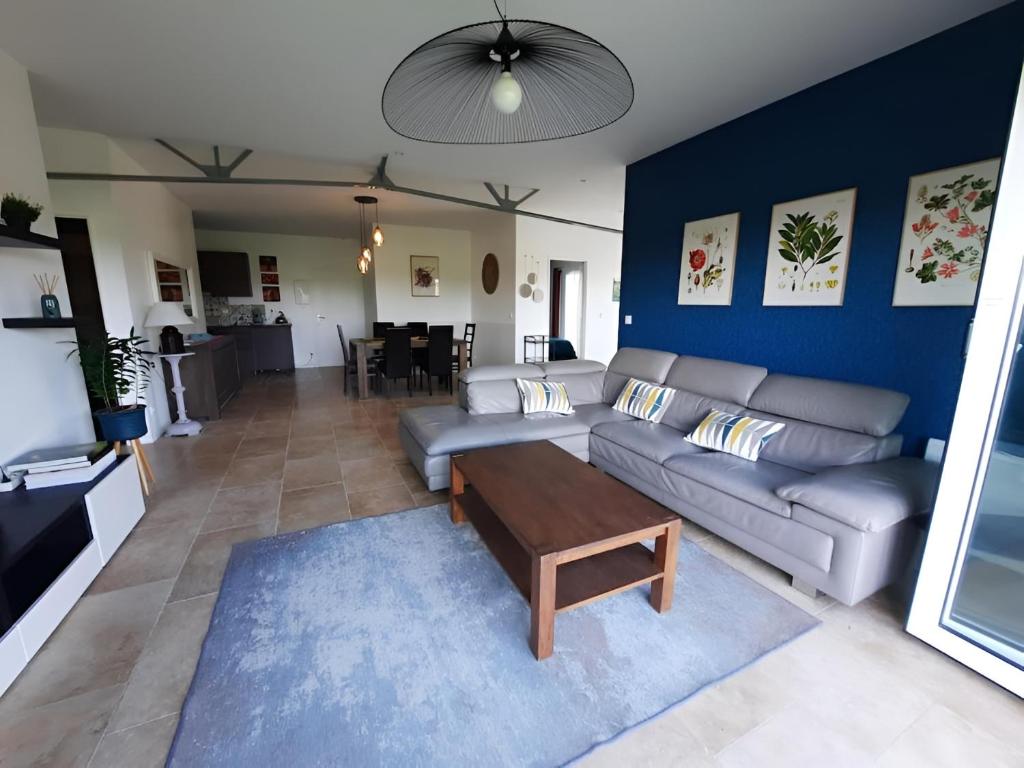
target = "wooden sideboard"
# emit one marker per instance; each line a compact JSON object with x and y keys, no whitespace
{"x":211,"y":377}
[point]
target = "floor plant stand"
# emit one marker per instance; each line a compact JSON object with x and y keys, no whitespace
{"x":184,"y":426}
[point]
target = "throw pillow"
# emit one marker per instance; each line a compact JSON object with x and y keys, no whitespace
{"x":741,"y":436}
{"x":544,"y":396}
{"x":644,"y":400}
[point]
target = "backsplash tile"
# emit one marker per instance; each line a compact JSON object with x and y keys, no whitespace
{"x":220,"y":312}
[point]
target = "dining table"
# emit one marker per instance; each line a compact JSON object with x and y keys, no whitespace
{"x":364,"y":349}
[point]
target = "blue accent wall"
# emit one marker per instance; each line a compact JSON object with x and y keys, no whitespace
{"x":941,"y":102}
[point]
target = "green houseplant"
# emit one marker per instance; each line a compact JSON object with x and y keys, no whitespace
{"x":19,"y":212}
{"x":117,"y":372}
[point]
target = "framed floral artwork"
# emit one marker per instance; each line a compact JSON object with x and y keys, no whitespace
{"x":809,"y":251}
{"x":945,"y":229}
{"x":425,"y":275}
{"x":708,"y":263}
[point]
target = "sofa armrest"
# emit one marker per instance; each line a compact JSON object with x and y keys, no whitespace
{"x":868,"y":497}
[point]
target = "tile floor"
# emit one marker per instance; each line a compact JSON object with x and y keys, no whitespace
{"x":293,"y":452}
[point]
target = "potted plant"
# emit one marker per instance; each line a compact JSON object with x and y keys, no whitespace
{"x":117,"y":372}
{"x":19,"y":212}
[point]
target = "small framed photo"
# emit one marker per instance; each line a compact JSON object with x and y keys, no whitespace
{"x":268,"y":263}
{"x":270,"y":278}
{"x":302,"y":292}
{"x":425,"y":275}
{"x":271,"y":293}
{"x":708,"y":262}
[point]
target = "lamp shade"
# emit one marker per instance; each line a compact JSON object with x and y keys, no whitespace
{"x":165,"y":313}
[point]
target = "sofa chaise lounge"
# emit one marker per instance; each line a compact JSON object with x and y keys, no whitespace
{"x":830,"y":501}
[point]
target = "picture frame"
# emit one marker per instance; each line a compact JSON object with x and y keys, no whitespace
{"x":302,"y":292}
{"x":271,"y":293}
{"x":707,"y":266}
{"x":425,"y":276}
{"x":616,"y":289}
{"x":809,"y":250}
{"x":944,"y":234}
{"x":268,"y":263}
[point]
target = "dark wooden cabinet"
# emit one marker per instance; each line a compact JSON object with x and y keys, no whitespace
{"x":260,"y":347}
{"x":225,"y":273}
{"x":211,"y":377}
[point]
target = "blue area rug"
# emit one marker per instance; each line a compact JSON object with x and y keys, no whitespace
{"x":399,"y":641}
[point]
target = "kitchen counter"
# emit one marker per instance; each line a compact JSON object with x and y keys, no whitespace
{"x":266,"y":347}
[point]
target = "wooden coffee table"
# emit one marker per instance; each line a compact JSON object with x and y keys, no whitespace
{"x":566,"y":533}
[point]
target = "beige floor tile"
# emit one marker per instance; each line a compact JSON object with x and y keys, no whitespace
{"x":306,"y":473}
{"x":209,"y":444}
{"x":274,"y":428}
{"x":160,"y":680}
{"x":312,"y":507}
{"x":62,"y":734}
{"x":309,"y":447}
{"x":261,"y":446}
{"x":381,"y":475}
{"x":411,"y":477}
{"x":429,"y":498}
{"x":247,"y":505}
{"x":185,"y":503}
{"x":95,"y":647}
{"x":360,"y":447}
{"x":205,"y":564}
{"x":149,"y":554}
{"x":320,"y":428}
{"x":942,"y":739}
{"x":262,"y":469}
{"x":379,"y":501}
{"x":664,"y":742}
{"x":144,"y":746}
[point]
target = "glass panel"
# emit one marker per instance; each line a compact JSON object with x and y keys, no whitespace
{"x":988,"y":602}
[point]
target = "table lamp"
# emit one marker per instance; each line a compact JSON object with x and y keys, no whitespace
{"x":166,"y":315}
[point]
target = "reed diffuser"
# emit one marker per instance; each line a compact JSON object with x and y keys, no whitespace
{"x":47,"y":285}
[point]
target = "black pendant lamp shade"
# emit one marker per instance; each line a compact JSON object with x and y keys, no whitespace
{"x":442,"y":91}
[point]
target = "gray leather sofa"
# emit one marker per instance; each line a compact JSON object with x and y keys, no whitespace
{"x":830,"y":501}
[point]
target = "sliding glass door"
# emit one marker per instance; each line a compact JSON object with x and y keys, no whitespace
{"x":969,"y":600}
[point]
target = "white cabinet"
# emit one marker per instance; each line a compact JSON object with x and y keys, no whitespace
{"x":115,"y":507}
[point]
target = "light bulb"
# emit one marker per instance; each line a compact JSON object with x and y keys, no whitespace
{"x":367,"y":254}
{"x":506,"y":93}
{"x":363,"y":265}
{"x":378,"y":235}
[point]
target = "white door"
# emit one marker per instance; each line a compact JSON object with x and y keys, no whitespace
{"x":969,"y":599}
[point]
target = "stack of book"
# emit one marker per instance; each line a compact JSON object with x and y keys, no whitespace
{"x":62,"y":466}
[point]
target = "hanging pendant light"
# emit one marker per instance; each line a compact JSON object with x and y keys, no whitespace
{"x":365,"y":252}
{"x":378,"y":234}
{"x":504,"y":82}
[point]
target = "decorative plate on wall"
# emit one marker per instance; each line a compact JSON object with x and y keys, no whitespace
{"x":489,"y":273}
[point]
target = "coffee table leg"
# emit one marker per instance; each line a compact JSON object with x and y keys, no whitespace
{"x":666,"y":551}
{"x":542,"y":607}
{"x":457,"y":488}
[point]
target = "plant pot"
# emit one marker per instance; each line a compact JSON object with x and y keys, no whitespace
{"x":18,"y":223}
{"x":123,"y":424}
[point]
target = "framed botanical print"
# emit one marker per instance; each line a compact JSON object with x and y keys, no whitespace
{"x":809,"y":251}
{"x":708,"y":263}
{"x":945,"y":229}
{"x":425,"y":275}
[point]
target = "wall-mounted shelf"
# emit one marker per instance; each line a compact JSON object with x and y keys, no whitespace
{"x":10,"y":238}
{"x":39,"y":322}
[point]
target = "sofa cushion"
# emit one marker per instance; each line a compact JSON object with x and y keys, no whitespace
{"x":721,"y":379}
{"x":855,"y":407}
{"x":753,"y":482}
{"x":583,"y":388}
{"x":687,"y":410}
{"x":544,"y":397}
{"x":570,"y":367}
{"x":644,"y":400}
{"x":655,"y":442}
{"x":630,"y":362}
{"x":868,"y":497}
{"x":812,"y":447}
{"x":501,"y":373}
{"x":497,"y":396}
{"x":741,"y":436}
{"x":593,"y":414}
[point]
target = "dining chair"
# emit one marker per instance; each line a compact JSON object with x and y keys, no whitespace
{"x":396,"y":362}
{"x":439,"y":352}
{"x":379,"y":328}
{"x":467,"y":336}
{"x":418,"y":329}
{"x":351,"y":366}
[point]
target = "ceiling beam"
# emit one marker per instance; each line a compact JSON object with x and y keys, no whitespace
{"x":215,"y":171}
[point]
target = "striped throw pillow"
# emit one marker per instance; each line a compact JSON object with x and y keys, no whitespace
{"x":644,"y":400}
{"x":741,"y":436}
{"x":544,"y":396}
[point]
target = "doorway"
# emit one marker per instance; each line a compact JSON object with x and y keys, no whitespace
{"x":567,"y":321}
{"x":83,"y":288}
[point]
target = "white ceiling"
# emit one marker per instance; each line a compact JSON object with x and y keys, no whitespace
{"x":304,"y":79}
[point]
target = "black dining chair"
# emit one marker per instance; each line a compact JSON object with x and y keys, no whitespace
{"x":396,"y":362}
{"x":351,"y":366}
{"x":379,"y":328}
{"x":467,"y":336}
{"x":418,"y":329}
{"x":439,"y":353}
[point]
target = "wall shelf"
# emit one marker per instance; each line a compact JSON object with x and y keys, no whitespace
{"x":39,"y":322}
{"x":10,"y":238}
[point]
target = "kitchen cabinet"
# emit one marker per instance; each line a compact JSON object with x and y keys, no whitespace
{"x":260,"y":347}
{"x":225,"y":273}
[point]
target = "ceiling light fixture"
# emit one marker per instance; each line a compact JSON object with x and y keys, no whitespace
{"x":365,"y":252}
{"x":378,"y":233}
{"x":505,"y":82}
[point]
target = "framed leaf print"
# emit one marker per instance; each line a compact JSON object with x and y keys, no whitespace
{"x":425,"y":275}
{"x":708,"y":262}
{"x":945,"y":229}
{"x":809,"y":251}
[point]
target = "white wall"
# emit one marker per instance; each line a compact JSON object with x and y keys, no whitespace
{"x":43,"y":396}
{"x":130,"y":224}
{"x":394,"y":299}
{"x":494,"y":314}
{"x":327,"y":265}
{"x":545,"y":241}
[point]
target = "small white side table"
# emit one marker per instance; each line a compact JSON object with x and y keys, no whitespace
{"x":184,"y":425}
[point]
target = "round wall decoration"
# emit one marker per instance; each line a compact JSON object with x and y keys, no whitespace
{"x":489,"y":273}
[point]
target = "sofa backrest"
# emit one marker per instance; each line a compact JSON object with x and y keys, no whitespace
{"x":492,"y":388}
{"x":630,"y":362}
{"x":718,"y":379}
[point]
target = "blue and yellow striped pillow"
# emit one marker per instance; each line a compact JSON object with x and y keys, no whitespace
{"x":741,"y":436}
{"x":643,"y":400}
{"x":544,"y":396}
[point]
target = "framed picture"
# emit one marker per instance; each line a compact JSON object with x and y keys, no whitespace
{"x":168,"y":276}
{"x":171,"y":293}
{"x":425,"y":275}
{"x":302,"y":294}
{"x":945,"y":229}
{"x":616,"y":289}
{"x":708,"y":263}
{"x":271,"y":293}
{"x":809,"y":251}
{"x":268,"y":263}
{"x":270,"y":278}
